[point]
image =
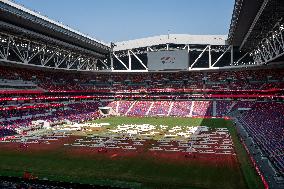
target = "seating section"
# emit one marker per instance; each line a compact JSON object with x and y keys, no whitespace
{"x":112,"y":105}
{"x":243,"y":104}
{"x":163,"y":108}
{"x":222,"y":107}
{"x":265,"y":124}
{"x":160,"y":108}
{"x":34,"y":94}
{"x":181,"y":108}
{"x":202,"y":108}
{"x":124,"y":107}
{"x":139,"y":108}
{"x":219,"y":80}
{"x":78,"y":112}
{"x":6,"y":132}
{"x":75,"y":112}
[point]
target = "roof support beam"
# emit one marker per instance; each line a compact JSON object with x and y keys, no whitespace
{"x":220,"y":57}
{"x":210,"y":58}
{"x":254,"y":23}
{"x":270,"y":48}
{"x":120,"y":60}
{"x":139,"y":60}
{"x":129,"y":60}
{"x":102,"y":63}
{"x":200,"y":55}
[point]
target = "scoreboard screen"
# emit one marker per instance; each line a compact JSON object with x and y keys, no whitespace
{"x":168,"y":60}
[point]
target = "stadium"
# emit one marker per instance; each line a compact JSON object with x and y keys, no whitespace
{"x":166,"y":111}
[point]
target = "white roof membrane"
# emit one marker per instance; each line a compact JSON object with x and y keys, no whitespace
{"x":172,"y":39}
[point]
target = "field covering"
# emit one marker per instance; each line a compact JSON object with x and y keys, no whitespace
{"x":142,"y":169}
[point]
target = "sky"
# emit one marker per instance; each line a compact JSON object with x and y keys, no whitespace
{"x":120,"y":20}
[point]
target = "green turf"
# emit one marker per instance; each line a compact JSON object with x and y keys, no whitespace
{"x":169,"y":121}
{"x":135,"y":172}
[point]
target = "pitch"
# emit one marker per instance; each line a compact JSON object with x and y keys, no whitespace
{"x":136,"y":152}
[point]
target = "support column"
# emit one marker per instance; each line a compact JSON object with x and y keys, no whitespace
{"x":129,"y":61}
{"x":210,"y":58}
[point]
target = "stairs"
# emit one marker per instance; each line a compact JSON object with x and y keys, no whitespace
{"x":150,"y":108}
{"x":117,"y":105}
{"x":231,"y":107}
{"x":214,"y":108}
{"x":170,"y":109}
{"x":191,"y":109}
{"x":130,"y":107}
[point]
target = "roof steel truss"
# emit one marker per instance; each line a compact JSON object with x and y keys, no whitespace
{"x":204,"y":54}
{"x":271,"y":47}
{"x":15,"y":49}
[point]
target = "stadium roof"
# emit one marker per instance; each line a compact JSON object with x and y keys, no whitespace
{"x":172,"y":39}
{"x":15,"y":14}
{"x":252,"y":20}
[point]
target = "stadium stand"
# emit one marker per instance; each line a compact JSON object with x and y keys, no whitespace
{"x":265,"y":124}
{"x":181,"y":108}
{"x":252,"y":95}
{"x":222,"y":107}
{"x":54,"y":81}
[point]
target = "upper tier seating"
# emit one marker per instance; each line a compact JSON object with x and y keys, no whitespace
{"x":222,"y":80}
